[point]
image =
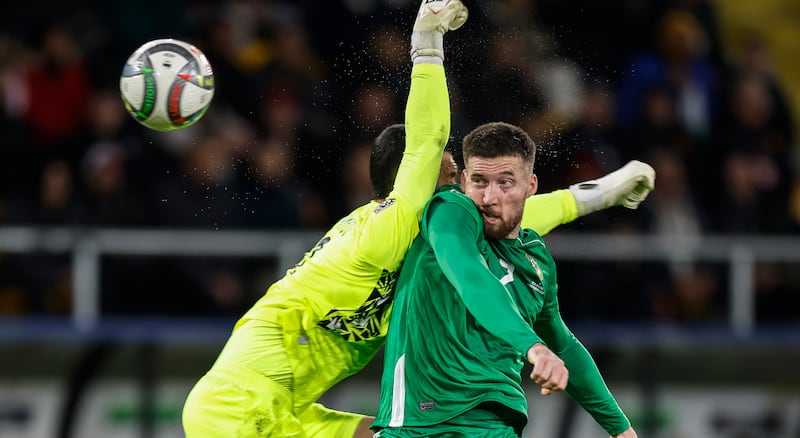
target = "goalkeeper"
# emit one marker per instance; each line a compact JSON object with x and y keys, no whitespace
{"x":328,"y":316}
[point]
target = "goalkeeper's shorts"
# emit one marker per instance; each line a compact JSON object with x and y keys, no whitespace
{"x":262,"y":385}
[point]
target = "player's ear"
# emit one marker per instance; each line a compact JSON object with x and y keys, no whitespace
{"x":463,"y":178}
{"x":534,"y":185}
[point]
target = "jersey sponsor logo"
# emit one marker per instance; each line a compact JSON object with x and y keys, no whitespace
{"x":384,"y":205}
{"x":536,"y":287}
{"x":368,"y":321}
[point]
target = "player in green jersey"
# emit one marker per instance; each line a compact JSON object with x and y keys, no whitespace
{"x":475,"y":300}
{"x":328,"y":316}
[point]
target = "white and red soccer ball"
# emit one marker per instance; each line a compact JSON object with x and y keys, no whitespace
{"x":167,"y":84}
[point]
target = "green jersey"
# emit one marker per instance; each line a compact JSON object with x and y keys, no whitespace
{"x":466,"y":311}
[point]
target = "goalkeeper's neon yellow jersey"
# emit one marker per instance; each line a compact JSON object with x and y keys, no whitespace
{"x":345,"y":282}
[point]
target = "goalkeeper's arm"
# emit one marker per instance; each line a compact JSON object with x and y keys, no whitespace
{"x":627,"y":186}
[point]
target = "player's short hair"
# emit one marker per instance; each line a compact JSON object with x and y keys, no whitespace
{"x":387,"y":151}
{"x":499,"y":139}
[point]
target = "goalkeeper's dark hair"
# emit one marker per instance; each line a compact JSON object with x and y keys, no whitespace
{"x":387,"y":151}
{"x":499,"y":139}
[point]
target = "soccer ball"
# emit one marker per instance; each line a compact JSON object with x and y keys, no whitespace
{"x":167,"y":84}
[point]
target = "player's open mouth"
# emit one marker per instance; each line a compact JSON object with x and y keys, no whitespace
{"x":489,"y":219}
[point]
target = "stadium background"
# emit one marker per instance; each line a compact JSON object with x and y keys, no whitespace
{"x":690,"y":303}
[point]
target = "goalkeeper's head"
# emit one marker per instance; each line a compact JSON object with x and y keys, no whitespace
{"x":387,"y":151}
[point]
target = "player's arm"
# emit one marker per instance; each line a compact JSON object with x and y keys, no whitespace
{"x":452,"y":233}
{"x":390,"y":231}
{"x":427,"y":116}
{"x":545,"y":212}
{"x":586,"y":385}
{"x":427,"y":123}
{"x":627,"y":186}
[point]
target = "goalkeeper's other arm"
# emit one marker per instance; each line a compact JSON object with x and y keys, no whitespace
{"x":627,"y":186}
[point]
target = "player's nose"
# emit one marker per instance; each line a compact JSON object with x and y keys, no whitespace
{"x":491,"y":194}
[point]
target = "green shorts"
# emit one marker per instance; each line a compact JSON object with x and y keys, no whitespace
{"x":266,"y":381}
{"x":450,"y":431}
{"x":477,"y":423}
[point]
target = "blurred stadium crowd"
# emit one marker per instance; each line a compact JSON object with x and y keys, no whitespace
{"x":304,"y":86}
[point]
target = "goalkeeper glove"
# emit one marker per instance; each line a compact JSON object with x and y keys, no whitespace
{"x":627,"y":186}
{"x":435,"y":17}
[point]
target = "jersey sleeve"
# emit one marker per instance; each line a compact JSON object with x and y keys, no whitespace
{"x":547,"y":211}
{"x":389,"y":232}
{"x":453,"y":233}
{"x":427,"y":124}
{"x":586,"y":386}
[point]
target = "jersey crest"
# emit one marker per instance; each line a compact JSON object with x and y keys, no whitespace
{"x":536,"y":267}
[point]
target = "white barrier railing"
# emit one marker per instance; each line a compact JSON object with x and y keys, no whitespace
{"x":86,"y":247}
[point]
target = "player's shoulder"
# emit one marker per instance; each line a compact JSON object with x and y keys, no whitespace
{"x":451,"y":193}
{"x":387,"y":216}
{"x":382,"y":207}
{"x":530,"y":236}
{"x":357,"y":219}
{"x":378,"y":227}
{"x":531,"y":241}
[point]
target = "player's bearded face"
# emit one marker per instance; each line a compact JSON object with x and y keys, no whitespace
{"x":499,"y":187}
